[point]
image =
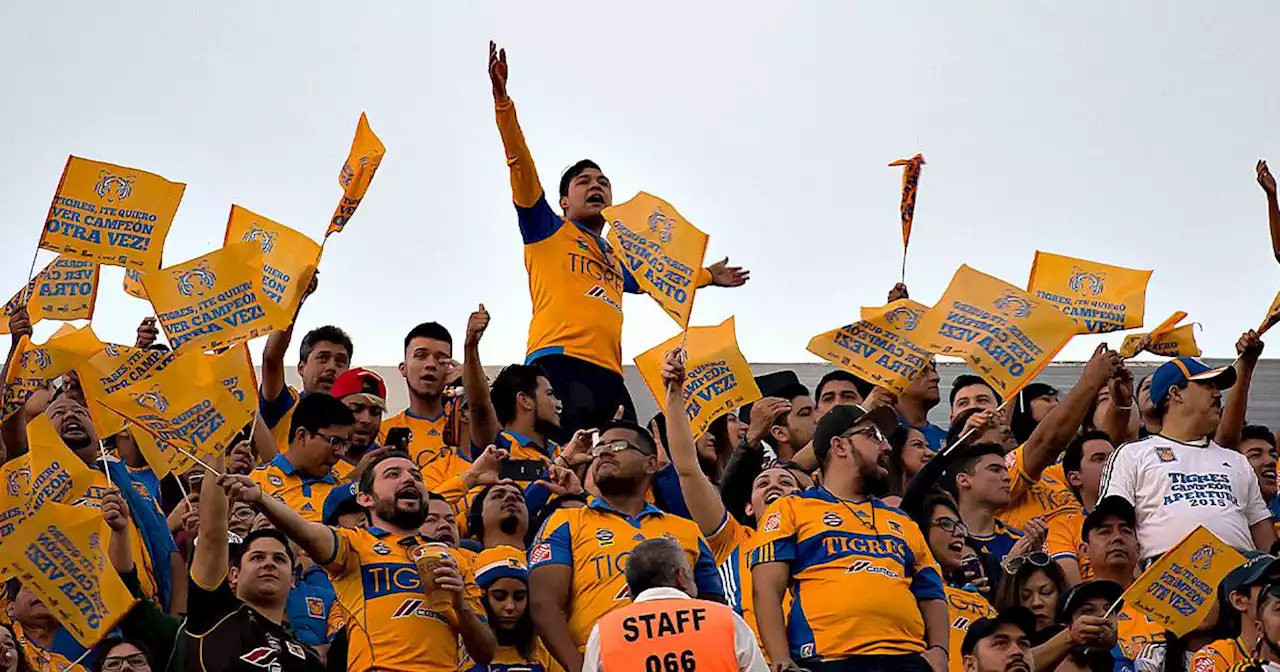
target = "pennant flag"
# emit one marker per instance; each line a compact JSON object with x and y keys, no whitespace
{"x":1273,"y":316}
{"x":1165,"y":340}
{"x":1178,"y":590}
{"x":185,"y":404}
{"x":216,"y":300}
{"x":1099,"y":297}
{"x":64,"y":290}
{"x":878,"y":348}
{"x":910,"y":184}
{"x":1005,"y":334}
{"x":288,"y":257}
{"x":112,"y":370}
{"x":32,"y":367}
{"x":234,"y":369}
{"x":662,"y":250}
{"x":111,"y":214}
{"x":356,"y":174}
{"x":133,"y":284}
{"x":163,"y":457}
{"x":719,"y":378}
{"x":60,"y":553}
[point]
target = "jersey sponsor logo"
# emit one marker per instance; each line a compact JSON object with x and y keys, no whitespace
{"x":604,"y":537}
{"x":315,"y":607}
{"x":540,"y":553}
{"x":1011,"y":460}
{"x":416,"y":607}
{"x":260,"y":657}
{"x":893,"y":525}
{"x":598,"y":292}
{"x":1204,"y":665}
{"x":868,"y":567}
{"x":808,"y":650}
{"x":1165,"y":454}
{"x":832,"y":519}
{"x":381,"y":549}
{"x":773,"y":522}
{"x":638,"y":537}
{"x":624,"y":594}
{"x":307,"y":508}
{"x":275,"y":480}
{"x":296,"y":649}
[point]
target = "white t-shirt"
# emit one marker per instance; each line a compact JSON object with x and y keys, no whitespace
{"x":1175,"y":487}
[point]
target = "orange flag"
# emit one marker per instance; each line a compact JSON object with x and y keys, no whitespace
{"x":356,"y":174}
{"x":64,"y":290}
{"x":32,"y":366}
{"x":878,"y":348}
{"x":133,"y":284}
{"x":662,"y":250}
{"x":1165,"y":340}
{"x":288,"y":257}
{"x":907,"y":210}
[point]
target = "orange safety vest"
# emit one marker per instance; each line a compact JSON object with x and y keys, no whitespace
{"x":670,"y":635}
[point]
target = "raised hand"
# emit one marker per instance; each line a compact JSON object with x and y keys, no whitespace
{"x":1249,"y":347}
{"x":115,"y":511}
{"x":498,"y":72}
{"x":240,"y":460}
{"x":484,"y":470}
{"x":476,"y":324}
{"x":578,"y":451}
{"x":561,"y":481}
{"x":147,"y":332}
{"x":899,"y":291}
{"x":1101,"y":367}
{"x":673,"y":371}
{"x":724,"y":275}
{"x":241,"y":488}
{"x":19,"y":324}
{"x":763,"y":413}
{"x":1265,"y":180}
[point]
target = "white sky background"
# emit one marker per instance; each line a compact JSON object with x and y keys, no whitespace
{"x":1121,"y":132}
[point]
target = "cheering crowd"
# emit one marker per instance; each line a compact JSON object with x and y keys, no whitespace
{"x":532,"y":522}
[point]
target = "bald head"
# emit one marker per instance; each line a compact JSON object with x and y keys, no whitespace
{"x":659,"y":563}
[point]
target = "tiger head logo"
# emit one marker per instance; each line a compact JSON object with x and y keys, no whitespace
{"x":1083,"y":282}
{"x":112,"y":350}
{"x":37,"y":360}
{"x":18,"y":481}
{"x":903,"y":318}
{"x":112,"y":187}
{"x":152,"y":400}
{"x":233,"y":386}
{"x":661,"y":224}
{"x":195,"y":281}
{"x":1202,"y":559}
{"x":1013,"y":305}
{"x":267,"y":239}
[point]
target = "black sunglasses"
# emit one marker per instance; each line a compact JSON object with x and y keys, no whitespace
{"x":1035,"y":559}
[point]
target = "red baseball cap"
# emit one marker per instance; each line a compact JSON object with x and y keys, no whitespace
{"x":359,"y":381}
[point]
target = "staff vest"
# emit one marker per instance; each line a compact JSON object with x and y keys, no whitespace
{"x":670,"y":635}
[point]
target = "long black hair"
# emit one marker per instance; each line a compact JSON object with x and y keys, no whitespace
{"x":521,"y":636}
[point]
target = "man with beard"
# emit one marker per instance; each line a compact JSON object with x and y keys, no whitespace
{"x":499,"y":517}
{"x":529,"y":412}
{"x":236,"y":618}
{"x":44,"y":643}
{"x":1180,"y":479}
{"x":324,"y":355}
{"x":365,"y":394}
{"x":392,"y":624}
{"x":828,"y":543}
{"x":1111,"y":548}
{"x":577,"y":562}
{"x":320,"y":430}
{"x":1000,"y":644}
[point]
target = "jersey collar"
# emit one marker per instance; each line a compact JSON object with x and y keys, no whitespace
{"x":286,"y":467}
{"x":527,"y":441}
{"x":599,"y":504}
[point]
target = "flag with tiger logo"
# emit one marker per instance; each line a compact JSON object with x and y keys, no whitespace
{"x":288,"y":257}
{"x":356,"y":174}
{"x":661,"y":249}
{"x":111,"y":370}
{"x":1098,"y":297}
{"x":133,"y":284}
{"x":1166,"y":340}
{"x":32,"y":366}
{"x":111,"y":214}
{"x":1178,"y":590}
{"x":878,"y":348}
{"x":65,"y":289}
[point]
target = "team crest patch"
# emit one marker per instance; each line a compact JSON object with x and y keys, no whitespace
{"x":832,"y":520}
{"x":1204,"y":664}
{"x":141,"y":490}
{"x":381,"y":549}
{"x":1202,"y":559}
{"x":1165,"y":454}
{"x":540,"y":553}
{"x":296,"y":649}
{"x":605,"y":537}
{"x":315,"y":607}
{"x":275,"y":480}
{"x":773,"y":522}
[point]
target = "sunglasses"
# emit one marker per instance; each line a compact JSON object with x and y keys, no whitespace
{"x":951,"y":526}
{"x":1036,"y":559}
{"x":615,"y":446}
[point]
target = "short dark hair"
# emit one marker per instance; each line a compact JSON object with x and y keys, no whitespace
{"x":325,"y":334}
{"x":956,"y":430}
{"x":1258,"y":433}
{"x":314,"y":412}
{"x":574,"y":171}
{"x":969,"y":380}
{"x":968,"y":459}
{"x":367,"y":478}
{"x":864,"y":387}
{"x":101,"y":649}
{"x":238,"y":551}
{"x":475,"y":513}
{"x":646,"y":439}
{"x":432,"y":330}
{"x":1074,"y":454}
{"x":511,"y":381}
{"x":655,"y":563}
{"x":922,"y":512}
{"x":1162,"y":408}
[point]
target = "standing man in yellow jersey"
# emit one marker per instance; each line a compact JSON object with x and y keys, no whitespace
{"x":324,"y":355}
{"x":525,"y":404}
{"x":1083,"y":463}
{"x":304,"y":476}
{"x":395,"y":621}
{"x":365,"y":394}
{"x":578,"y":561}
{"x":867,"y":594}
{"x":576,"y":281}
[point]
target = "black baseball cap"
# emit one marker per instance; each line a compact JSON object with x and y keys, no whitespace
{"x":1078,"y":594}
{"x":781,"y":384}
{"x":1018,"y":616}
{"x":842,"y":418}
{"x":1256,"y":569}
{"x":1113,"y":506}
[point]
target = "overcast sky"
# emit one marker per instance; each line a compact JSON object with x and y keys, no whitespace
{"x":1121,"y":132}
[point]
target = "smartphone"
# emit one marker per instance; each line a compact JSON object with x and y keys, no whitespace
{"x":523,"y":470}
{"x":971,"y":568}
{"x":399,"y":437}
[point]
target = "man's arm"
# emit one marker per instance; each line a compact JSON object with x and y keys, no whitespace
{"x":478,"y":639}
{"x":1118,"y":416}
{"x":1264,"y":535}
{"x":768,"y":585}
{"x":1268,"y":184}
{"x":1249,"y":347}
{"x":700,"y":496}
{"x":178,"y":591}
{"x":937,"y":632}
{"x":548,"y":604}
{"x":273,"y":353}
{"x":316,"y":540}
{"x":484,"y":420}
{"x":210,"y":559}
{"x":1054,"y":432}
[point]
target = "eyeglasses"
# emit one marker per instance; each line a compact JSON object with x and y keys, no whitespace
{"x":334,"y":441}
{"x":951,"y":526}
{"x":135,"y":661}
{"x":615,"y":446}
{"x":1036,"y":559}
{"x":871,"y":432}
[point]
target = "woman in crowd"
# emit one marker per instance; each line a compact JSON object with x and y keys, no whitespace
{"x":503,"y":576}
{"x":1033,"y":581}
{"x":11,"y":657}
{"x":910,"y":452}
{"x":118,"y":654}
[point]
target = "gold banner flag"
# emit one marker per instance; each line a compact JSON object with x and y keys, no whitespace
{"x":133,"y":284}
{"x":1178,"y":590}
{"x":1166,"y":340}
{"x":663,"y":251}
{"x":1273,"y":316}
{"x":163,"y":457}
{"x":719,"y":379}
{"x":32,"y":367}
{"x":356,"y":174}
{"x":878,"y":348}
{"x":910,"y":185}
{"x":216,"y":300}
{"x":111,"y":214}
{"x":1005,"y":334}
{"x":186,"y":404}
{"x":59,"y":552}
{"x":1099,"y":297}
{"x":288,"y":257}
{"x":234,"y":369}
{"x":64,"y":290}
{"x":112,"y":370}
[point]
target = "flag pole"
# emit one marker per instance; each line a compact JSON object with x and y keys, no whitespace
{"x":30,"y":275}
{"x":198,"y":461}
{"x":903,"y":280}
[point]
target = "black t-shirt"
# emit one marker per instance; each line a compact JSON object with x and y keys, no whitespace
{"x":225,"y":634}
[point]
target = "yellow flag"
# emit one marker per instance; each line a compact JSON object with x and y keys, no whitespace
{"x":185,"y":404}
{"x":719,"y":379}
{"x":910,"y":184}
{"x":216,"y":300}
{"x":64,"y":290}
{"x":662,"y":250}
{"x":112,"y":370}
{"x":878,"y":348}
{"x":133,"y":284}
{"x":163,"y":457}
{"x":1273,"y":316}
{"x":356,"y":174}
{"x":1178,"y":590}
{"x":234,"y":369}
{"x":1166,"y":340}
{"x":60,"y":554}
{"x":1005,"y":334}
{"x":32,"y":367}
{"x":111,"y":214}
{"x":1099,"y":297}
{"x":288,"y":257}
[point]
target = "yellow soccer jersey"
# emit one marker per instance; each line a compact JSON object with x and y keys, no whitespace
{"x":390,"y":627}
{"x":521,"y":447}
{"x":731,"y":546}
{"x":428,"y":438}
{"x":1063,"y":541}
{"x":963,"y":608}
{"x":508,"y":659}
{"x":1027,"y":498}
{"x":1219,"y":656}
{"x":278,"y":414}
{"x":302,"y":492}
{"x":837,"y":549}
{"x":595,"y":541}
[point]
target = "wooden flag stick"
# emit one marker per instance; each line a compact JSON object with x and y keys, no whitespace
{"x":198,"y":461}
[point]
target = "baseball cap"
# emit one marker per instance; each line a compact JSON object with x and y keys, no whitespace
{"x":842,"y":418}
{"x":1018,"y":616}
{"x":1182,"y":369}
{"x":1113,"y":506}
{"x":781,"y":384}
{"x":340,"y":500}
{"x":1257,"y":566}
{"x":362,"y":382}
{"x":500,"y":562}
{"x":1080,"y":593}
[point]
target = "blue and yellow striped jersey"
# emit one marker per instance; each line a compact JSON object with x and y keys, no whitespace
{"x":596,"y":540}
{"x":303,"y":492}
{"x":837,"y":548}
{"x":521,"y":447}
